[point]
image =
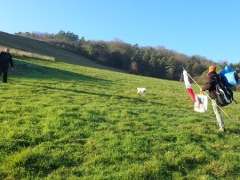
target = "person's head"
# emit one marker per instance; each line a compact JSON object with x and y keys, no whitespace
{"x":7,"y":50}
{"x":211,"y":68}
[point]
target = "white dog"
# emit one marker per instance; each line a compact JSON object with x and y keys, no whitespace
{"x":141,"y":90}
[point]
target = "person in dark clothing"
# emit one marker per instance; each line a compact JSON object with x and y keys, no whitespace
{"x":5,"y":60}
{"x":210,"y":85}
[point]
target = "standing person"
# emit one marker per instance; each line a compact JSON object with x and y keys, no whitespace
{"x":210,"y":85}
{"x":5,"y":60}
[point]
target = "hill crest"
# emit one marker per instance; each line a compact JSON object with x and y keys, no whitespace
{"x":23,"y":46}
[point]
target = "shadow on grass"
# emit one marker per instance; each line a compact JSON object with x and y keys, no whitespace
{"x":137,"y":100}
{"x":33,"y":71}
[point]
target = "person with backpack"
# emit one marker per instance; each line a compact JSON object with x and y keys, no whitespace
{"x":210,"y":85}
{"x":5,"y":60}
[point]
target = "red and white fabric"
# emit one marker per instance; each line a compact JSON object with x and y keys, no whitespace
{"x":188,"y":86}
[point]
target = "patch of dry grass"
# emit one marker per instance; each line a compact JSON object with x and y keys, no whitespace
{"x":22,"y":53}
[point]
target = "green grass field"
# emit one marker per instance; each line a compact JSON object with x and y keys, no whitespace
{"x":64,"y":121}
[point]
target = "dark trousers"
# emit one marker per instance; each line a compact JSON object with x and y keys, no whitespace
{"x":4,"y":71}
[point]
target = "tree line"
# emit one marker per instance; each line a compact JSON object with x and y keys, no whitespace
{"x":157,"y":62}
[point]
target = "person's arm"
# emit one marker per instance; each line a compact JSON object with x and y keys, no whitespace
{"x":207,"y":85}
{"x":11,"y":61}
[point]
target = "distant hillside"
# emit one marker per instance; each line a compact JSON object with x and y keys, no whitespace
{"x":22,"y":46}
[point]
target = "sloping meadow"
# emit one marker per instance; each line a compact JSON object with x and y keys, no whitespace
{"x":62,"y":121}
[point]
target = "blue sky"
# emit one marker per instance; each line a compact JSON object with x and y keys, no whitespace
{"x":210,"y":28}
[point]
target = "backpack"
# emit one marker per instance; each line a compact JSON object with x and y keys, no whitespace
{"x":223,"y":93}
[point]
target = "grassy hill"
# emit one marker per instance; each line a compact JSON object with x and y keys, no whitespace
{"x":22,"y":46}
{"x":60,"y":120}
